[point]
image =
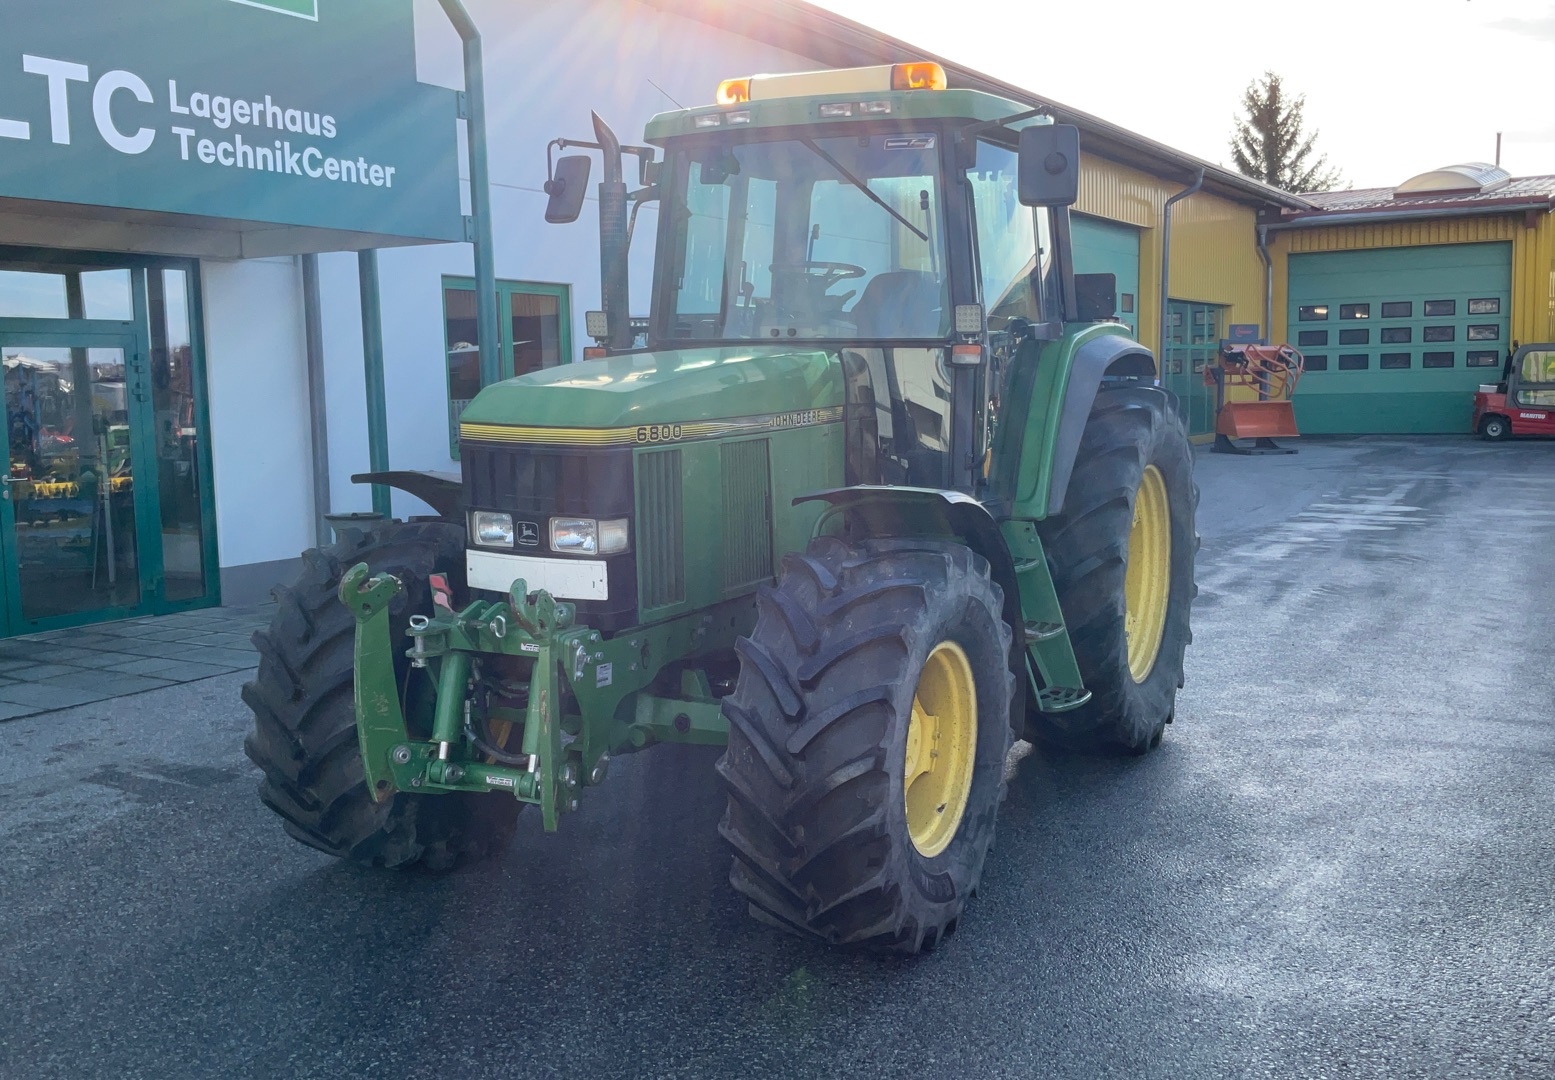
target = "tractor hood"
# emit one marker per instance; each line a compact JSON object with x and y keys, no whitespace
{"x":671,"y":386}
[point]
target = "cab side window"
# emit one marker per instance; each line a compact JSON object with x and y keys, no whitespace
{"x":1537,"y":380}
{"x":1008,"y":255}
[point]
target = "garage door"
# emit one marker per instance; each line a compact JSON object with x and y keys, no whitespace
{"x":1397,"y":339}
{"x":1105,"y":247}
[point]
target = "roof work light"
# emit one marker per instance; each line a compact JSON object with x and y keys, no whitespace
{"x":920,"y":75}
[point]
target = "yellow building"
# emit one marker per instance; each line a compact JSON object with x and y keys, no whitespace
{"x":1405,"y":299}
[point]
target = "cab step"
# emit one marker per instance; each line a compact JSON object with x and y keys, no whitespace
{"x":1042,"y":631}
{"x":1057,"y":699}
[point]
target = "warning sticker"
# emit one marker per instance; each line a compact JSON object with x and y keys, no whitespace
{"x":604,"y":675}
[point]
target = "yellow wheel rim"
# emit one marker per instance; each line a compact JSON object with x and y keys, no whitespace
{"x":1148,"y":582}
{"x":941,"y":747}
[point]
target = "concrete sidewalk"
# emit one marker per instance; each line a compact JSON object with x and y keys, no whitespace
{"x":62,"y":668}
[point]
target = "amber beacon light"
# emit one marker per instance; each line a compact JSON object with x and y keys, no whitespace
{"x":919,"y":76}
{"x":734,"y":91}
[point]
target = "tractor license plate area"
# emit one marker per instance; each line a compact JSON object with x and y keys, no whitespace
{"x":565,"y":579}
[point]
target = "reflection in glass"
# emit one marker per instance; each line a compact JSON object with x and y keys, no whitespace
{"x":1539,"y":367}
{"x":70,"y":480}
{"x":105,"y":294}
{"x":28,"y":295}
{"x":464,"y":355}
{"x":536,"y":325}
{"x":177,"y":435}
{"x":816,"y":238}
{"x":1006,"y":237}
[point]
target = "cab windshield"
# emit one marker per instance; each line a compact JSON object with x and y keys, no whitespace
{"x":808,"y":238}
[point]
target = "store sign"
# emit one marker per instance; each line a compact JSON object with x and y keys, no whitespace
{"x":292,"y":112}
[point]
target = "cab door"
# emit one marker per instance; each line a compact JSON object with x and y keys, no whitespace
{"x":1533,"y":399}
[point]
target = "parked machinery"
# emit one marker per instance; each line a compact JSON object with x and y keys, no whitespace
{"x":795,"y":523}
{"x":1524,"y":402}
{"x":1269,"y":374}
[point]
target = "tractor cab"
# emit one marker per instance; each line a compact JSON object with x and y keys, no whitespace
{"x":870,"y":213}
{"x":1524,"y":404}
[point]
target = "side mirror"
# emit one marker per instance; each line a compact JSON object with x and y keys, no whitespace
{"x":1050,"y":165}
{"x":566,"y":189}
{"x":1095,"y":297}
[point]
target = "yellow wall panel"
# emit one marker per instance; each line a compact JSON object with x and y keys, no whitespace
{"x":1215,"y":256}
{"x":1214,"y":253}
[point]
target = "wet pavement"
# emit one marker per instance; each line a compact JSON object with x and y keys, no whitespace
{"x":55,"y":670}
{"x":1337,"y":864}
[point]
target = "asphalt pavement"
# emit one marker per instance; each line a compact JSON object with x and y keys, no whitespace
{"x":1338,"y":863}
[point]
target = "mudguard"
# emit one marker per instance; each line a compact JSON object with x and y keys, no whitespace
{"x":1100,"y":357}
{"x":1043,"y":412}
{"x":443,"y":492}
{"x":885,"y":511}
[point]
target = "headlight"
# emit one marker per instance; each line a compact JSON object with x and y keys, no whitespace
{"x":576,"y":535}
{"x":586,"y":536}
{"x":492,"y":529}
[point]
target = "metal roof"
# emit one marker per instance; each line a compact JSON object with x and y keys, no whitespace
{"x":1518,"y":187}
{"x":803,"y":28}
{"x":1342,"y":207}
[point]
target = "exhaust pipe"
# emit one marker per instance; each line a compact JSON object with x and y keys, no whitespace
{"x":614,"y":285}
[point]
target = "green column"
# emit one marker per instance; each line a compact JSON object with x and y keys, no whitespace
{"x":372,"y":358}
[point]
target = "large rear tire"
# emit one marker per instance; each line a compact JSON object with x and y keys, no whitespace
{"x":1121,"y":555}
{"x":304,"y":738}
{"x":867,"y":738}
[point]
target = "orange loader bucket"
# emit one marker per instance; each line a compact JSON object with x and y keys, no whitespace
{"x":1271,"y":373}
{"x":1256,"y":420}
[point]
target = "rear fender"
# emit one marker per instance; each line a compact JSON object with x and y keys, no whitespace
{"x":443,"y":492}
{"x":1046,"y":403}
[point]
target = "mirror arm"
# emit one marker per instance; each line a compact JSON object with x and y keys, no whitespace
{"x":975,"y":130}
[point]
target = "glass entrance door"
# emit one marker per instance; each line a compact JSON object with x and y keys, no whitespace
{"x":73,"y":511}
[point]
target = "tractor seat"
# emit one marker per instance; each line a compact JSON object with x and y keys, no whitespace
{"x":900,"y":303}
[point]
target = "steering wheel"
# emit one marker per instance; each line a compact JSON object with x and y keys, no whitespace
{"x":832,"y":272}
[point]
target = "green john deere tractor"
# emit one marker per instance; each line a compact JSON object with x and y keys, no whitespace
{"x":884,"y":491}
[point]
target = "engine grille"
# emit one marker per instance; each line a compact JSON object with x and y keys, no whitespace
{"x":660,"y":544}
{"x":747,"y":513}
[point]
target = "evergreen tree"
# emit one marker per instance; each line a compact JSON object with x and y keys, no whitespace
{"x":1269,"y":144}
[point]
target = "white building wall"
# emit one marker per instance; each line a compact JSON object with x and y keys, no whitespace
{"x":256,"y":364}
{"x":547,"y":64}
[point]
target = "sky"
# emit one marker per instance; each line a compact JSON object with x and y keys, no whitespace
{"x":1393,"y":87}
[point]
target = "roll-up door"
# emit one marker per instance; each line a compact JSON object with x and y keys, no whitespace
{"x":1396,"y":339}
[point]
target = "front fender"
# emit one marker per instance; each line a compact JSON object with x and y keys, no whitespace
{"x":879,"y":510}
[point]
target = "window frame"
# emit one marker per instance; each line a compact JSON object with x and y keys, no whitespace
{"x":506,"y":289}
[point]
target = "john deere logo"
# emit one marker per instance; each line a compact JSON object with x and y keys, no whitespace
{"x":528,"y":534}
{"x":303,"y":9}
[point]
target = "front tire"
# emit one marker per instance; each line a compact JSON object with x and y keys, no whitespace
{"x":1495,"y":428}
{"x":867,"y":738}
{"x":1121,"y":554}
{"x":304,"y":739}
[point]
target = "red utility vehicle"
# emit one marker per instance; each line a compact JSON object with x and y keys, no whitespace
{"x":1523,"y":403}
